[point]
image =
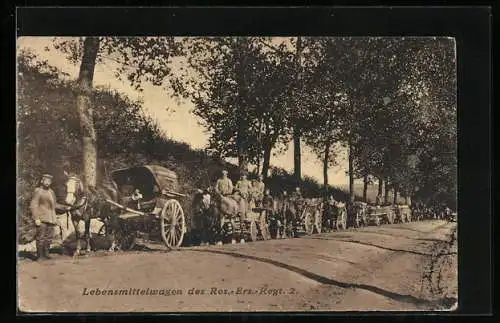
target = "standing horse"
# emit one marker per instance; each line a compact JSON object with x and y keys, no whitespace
{"x":84,"y":205}
{"x":219,"y":209}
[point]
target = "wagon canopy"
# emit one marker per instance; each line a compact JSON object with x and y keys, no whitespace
{"x":149,"y":179}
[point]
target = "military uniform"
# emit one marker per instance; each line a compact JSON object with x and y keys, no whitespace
{"x":258,"y":188}
{"x":224,"y":186}
{"x":244,"y":187}
{"x":43,"y":211}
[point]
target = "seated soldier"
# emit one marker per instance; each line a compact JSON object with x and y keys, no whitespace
{"x":133,"y":200}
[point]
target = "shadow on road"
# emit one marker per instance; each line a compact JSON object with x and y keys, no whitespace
{"x":375,"y":246}
{"x":328,"y":281}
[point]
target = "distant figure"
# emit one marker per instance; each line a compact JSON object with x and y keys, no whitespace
{"x":379,"y":200}
{"x":224,"y":186}
{"x":268,"y":201}
{"x":258,"y":190}
{"x":296,"y":195}
{"x":43,"y":211}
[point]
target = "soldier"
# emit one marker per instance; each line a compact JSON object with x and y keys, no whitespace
{"x":268,"y":202}
{"x":258,"y":190}
{"x":296,"y":196}
{"x":378,"y":200}
{"x":224,"y":186}
{"x":244,"y":187}
{"x":43,"y":211}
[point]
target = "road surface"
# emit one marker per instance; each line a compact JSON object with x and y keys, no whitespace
{"x":398,"y":267}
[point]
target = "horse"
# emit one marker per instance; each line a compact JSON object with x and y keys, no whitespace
{"x":85,"y":204}
{"x":288,"y":211}
{"x":207,"y":225}
{"x":220,"y":210}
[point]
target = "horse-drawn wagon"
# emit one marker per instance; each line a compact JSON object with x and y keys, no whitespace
{"x":305,"y":216}
{"x":148,"y":203}
{"x":380,"y":214}
{"x":403,"y":213}
{"x":254,"y":226}
{"x":336,"y":215}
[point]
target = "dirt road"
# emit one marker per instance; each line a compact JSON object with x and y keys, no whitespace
{"x":399,"y":267}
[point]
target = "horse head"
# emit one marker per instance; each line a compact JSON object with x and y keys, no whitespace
{"x":74,"y":190}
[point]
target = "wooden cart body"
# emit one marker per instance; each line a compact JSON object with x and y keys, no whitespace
{"x":157,"y":214}
{"x":380,"y":214}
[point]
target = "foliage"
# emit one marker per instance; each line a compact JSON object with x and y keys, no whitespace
{"x":48,"y":130}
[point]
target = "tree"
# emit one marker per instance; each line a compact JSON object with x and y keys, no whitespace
{"x":241,"y":91}
{"x":137,"y":59}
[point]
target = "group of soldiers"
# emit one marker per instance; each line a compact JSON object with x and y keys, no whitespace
{"x":250,"y":194}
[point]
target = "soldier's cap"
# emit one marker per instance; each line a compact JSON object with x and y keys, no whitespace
{"x":47,"y":176}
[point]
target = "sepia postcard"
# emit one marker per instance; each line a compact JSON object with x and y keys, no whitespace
{"x":236,"y":174}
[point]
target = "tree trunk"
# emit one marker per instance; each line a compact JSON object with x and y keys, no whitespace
{"x":297,"y":156}
{"x":351,"y":173}
{"x":386,"y":188}
{"x":267,"y":160}
{"x":380,"y":185}
{"x":242,"y":126}
{"x":395,"y":200}
{"x":242,"y":159}
{"x":326,"y":159}
{"x":297,"y":166}
{"x":85,"y":111}
{"x":365,"y":187}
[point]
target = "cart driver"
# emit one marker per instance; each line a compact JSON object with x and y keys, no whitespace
{"x":258,"y":190}
{"x":136,"y":198}
{"x":244,"y":187}
{"x":224,"y":186}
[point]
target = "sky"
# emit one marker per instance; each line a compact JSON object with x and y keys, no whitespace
{"x":176,"y":118}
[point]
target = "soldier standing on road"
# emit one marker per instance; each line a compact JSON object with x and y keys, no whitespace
{"x":224,"y":186}
{"x":43,"y":211}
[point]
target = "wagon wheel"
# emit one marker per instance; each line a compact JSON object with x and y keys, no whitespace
{"x":173,"y":224}
{"x":341,"y":221}
{"x":309,"y":223}
{"x":318,"y":221}
{"x":390,"y":217}
{"x":253,"y":230}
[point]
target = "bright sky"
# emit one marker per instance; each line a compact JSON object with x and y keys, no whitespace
{"x":175,"y":118}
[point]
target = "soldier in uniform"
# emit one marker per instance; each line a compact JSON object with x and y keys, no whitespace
{"x":244,"y":187}
{"x":43,"y":211}
{"x":258,"y":190}
{"x":224,"y":186}
{"x":296,"y":197}
{"x":378,"y":200}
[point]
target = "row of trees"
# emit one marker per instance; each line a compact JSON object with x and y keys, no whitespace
{"x":391,"y":102}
